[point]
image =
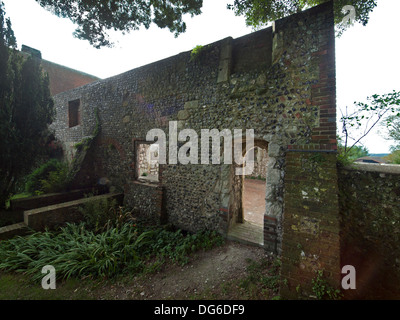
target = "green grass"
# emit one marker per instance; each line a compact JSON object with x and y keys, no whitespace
{"x":19,"y":287}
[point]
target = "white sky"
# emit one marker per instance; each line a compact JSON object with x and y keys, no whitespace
{"x":367,"y":58}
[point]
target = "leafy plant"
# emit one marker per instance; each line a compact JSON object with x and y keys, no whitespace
{"x":82,"y":149}
{"x":100,"y":215}
{"x":49,"y":177}
{"x":322,"y":289}
{"x":176,"y":246}
{"x":196,"y":53}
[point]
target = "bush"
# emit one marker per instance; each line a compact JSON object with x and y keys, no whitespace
{"x":104,"y":214}
{"x":177,"y":246}
{"x":50,"y":177}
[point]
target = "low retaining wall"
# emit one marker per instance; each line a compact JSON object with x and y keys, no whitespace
{"x":370,"y":228}
{"x":18,"y":229}
{"x":54,"y":216}
{"x":44,"y":200}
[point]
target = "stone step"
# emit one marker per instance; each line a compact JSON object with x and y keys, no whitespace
{"x":247,"y":233}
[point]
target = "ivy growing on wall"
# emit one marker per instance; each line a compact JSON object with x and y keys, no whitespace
{"x":82,"y":149}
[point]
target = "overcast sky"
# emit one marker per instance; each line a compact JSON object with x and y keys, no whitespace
{"x":367,"y":58}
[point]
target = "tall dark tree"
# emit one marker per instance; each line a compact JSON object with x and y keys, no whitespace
{"x":26,"y":110}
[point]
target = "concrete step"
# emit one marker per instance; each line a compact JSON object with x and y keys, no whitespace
{"x":52,"y":216}
{"x":247,"y":233}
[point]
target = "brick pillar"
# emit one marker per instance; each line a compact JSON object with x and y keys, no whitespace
{"x":311,"y":240}
{"x":311,"y":223}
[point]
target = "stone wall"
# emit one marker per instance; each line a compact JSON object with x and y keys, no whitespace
{"x":278,"y":81}
{"x":370,"y":228}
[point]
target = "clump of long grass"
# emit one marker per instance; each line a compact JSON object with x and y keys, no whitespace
{"x":108,"y":242}
{"x":74,"y":251}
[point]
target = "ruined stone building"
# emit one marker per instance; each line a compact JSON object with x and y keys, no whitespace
{"x":280,"y":82}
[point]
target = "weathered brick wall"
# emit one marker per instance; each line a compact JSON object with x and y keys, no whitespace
{"x":370,"y":229}
{"x":311,"y":222}
{"x":279,"y":81}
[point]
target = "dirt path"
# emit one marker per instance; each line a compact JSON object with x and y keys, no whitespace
{"x":203,"y":277}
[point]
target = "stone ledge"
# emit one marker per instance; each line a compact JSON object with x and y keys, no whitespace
{"x":371,"y":167}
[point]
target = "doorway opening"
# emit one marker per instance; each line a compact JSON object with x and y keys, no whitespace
{"x":254,"y":187}
{"x":248,"y":226}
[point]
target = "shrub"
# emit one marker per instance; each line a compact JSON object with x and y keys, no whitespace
{"x":197,"y":52}
{"x":104,"y":214}
{"x":49,"y":177}
{"x":177,"y":246}
{"x":322,"y":289}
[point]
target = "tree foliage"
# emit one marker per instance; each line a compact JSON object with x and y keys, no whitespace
{"x":356,"y":125}
{"x":260,"y":12}
{"x":393,"y":130}
{"x":26,"y":109}
{"x":346,"y":157}
{"x":94,"y":18}
{"x":394,"y":157}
